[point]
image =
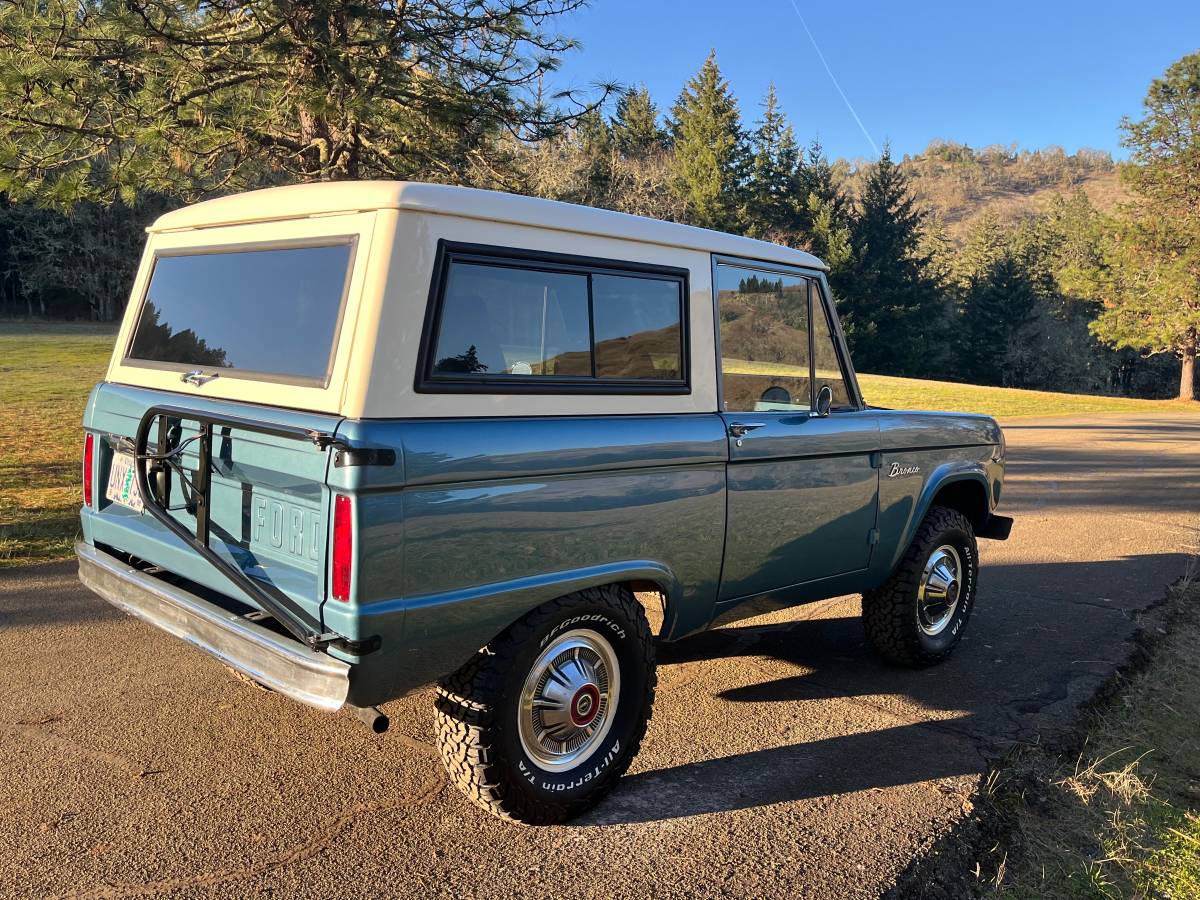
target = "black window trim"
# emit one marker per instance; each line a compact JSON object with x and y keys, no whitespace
{"x":317,"y":241}
{"x":834,"y":323}
{"x":816,"y":279}
{"x":448,"y":252}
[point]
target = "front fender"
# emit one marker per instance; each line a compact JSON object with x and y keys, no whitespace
{"x":904,"y":502}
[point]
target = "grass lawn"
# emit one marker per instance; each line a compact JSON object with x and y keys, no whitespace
{"x":916,"y":393}
{"x":1002,"y":403}
{"x":46,"y":371}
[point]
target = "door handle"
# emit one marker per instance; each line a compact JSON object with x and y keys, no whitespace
{"x":739,"y":429}
{"x":197,"y":378}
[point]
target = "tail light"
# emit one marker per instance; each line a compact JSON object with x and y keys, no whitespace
{"x":343,"y":547}
{"x":88,"y":456}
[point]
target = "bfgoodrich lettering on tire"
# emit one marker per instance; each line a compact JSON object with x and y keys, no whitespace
{"x":538,"y":726}
{"x":917,"y":617}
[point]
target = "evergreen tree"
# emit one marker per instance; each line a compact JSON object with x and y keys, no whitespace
{"x":892,"y":308}
{"x":1165,"y":144}
{"x":999,"y":300}
{"x":709,"y":163}
{"x":1154,"y":304}
{"x":773,"y":185}
{"x":635,"y":128}
{"x":595,"y":142}
{"x":1152,"y":296}
{"x":986,"y":243}
{"x":826,"y":213}
{"x":100,"y":98}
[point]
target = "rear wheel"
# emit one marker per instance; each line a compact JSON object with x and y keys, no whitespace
{"x":917,"y":617}
{"x":538,"y":726}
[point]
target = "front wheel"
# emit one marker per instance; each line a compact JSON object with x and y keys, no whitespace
{"x":538,"y":726}
{"x":917,"y":617}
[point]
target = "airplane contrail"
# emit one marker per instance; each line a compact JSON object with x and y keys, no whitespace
{"x":833,"y":78}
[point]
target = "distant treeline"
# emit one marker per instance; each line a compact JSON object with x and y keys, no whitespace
{"x":1043,"y":299}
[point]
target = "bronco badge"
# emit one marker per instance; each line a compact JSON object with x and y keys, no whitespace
{"x":899,"y":469}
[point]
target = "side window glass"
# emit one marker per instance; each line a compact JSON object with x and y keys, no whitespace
{"x":498,"y":320}
{"x":518,"y":322}
{"x":827,"y":367}
{"x":638,"y":329}
{"x":764,"y":340}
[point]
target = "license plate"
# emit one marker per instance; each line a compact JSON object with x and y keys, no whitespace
{"x":122,"y":485}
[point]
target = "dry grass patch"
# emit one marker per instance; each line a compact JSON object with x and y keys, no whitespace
{"x":1121,"y":817}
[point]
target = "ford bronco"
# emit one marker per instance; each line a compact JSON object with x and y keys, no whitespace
{"x":360,"y":438}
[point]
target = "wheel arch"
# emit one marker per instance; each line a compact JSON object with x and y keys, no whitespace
{"x":965,"y":494}
{"x":958,"y":485}
{"x":443,"y":633}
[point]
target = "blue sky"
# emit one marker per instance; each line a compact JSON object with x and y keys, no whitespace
{"x":1054,"y":72}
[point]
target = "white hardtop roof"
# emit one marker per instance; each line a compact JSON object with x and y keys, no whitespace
{"x":331,"y":197}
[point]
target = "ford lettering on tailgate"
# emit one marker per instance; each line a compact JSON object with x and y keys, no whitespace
{"x":285,"y":527}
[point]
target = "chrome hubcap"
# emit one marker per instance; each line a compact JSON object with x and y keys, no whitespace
{"x":568,"y":701}
{"x":938,"y":594}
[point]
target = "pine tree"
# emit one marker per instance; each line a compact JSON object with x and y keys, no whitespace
{"x":1154,"y":305}
{"x":709,"y":163}
{"x":1152,"y":301}
{"x":595,"y":143}
{"x":825,"y":213}
{"x":986,"y":243}
{"x":892,"y":307}
{"x":635,"y":128}
{"x":100,"y":98}
{"x":999,"y":300}
{"x":773,"y":185}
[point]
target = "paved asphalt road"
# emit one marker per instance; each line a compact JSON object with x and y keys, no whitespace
{"x":783,"y":760}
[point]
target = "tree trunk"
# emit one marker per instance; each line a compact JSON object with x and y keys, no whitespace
{"x":1187,"y":377}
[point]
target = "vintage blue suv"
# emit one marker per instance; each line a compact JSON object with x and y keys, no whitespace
{"x":360,"y":438}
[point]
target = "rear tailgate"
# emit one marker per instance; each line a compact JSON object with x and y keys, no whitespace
{"x":268,"y":501}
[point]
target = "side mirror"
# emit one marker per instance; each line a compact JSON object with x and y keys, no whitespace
{"x":824,"y":401}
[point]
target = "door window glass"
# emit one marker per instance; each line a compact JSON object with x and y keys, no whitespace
{"x":764,"y":340}
{"x":827,"y":367}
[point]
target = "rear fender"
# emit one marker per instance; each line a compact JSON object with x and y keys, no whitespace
{"x":442,"y":632}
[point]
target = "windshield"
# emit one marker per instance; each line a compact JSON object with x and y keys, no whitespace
{"x":272,"y":313}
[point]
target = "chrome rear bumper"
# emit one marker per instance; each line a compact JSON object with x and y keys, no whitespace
{"x":281,"y":663}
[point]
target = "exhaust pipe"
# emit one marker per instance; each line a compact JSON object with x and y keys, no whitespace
{"x":371,"y":716}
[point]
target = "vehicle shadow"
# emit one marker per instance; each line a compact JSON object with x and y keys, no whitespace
{"x":47,"y":595}
{"x":1043,"y":638}
{"x":1118,"y":466}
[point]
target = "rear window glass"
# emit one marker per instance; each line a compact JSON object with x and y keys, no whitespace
{"x":272,"y":313}
{"x":523,"y":323}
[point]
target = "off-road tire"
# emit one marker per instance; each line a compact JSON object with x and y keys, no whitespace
{"x":890,"y":611}
{"x":477,"y":711}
